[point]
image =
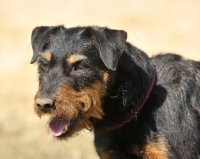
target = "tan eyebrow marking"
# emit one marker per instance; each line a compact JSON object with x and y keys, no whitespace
{"x":74,"y":58}
{"x":46,"y":55}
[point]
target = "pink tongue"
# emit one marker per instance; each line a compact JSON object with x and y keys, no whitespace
{"x":57,"y":125}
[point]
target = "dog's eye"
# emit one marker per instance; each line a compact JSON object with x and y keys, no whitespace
{"x":45,"y":65}
{"x":77,"y":68}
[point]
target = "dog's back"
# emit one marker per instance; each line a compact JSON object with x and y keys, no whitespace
{"x":178,"y":116}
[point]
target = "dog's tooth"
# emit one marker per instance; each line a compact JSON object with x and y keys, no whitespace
{"x":65,"y":129}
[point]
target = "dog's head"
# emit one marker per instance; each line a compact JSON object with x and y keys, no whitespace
{"x":74,"y":68}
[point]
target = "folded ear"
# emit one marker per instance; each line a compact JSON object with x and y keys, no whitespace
{"x":110,"y":44}
{"x":39,"y":37}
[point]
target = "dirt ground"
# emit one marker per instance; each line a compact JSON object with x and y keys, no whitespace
{"x":153,"y":26}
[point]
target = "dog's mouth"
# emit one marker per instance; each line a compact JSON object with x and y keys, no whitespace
{"x":60,"y":127}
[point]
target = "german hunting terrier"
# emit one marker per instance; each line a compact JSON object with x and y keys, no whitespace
{"x":138,"y":107}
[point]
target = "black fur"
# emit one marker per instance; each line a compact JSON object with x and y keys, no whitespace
{"x":170,"y":117}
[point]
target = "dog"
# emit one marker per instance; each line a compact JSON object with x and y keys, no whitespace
{"x":138,"y":107}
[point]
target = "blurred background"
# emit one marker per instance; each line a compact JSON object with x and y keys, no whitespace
{"x":153,"y":26}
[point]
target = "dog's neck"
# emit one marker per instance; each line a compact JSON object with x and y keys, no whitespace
{"x":130,"y":117}
{"x":123,"y":102}
{"x":134,"y":81}
{"x":112,"y":121}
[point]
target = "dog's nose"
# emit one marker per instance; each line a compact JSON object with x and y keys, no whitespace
{"x":45,"y":104}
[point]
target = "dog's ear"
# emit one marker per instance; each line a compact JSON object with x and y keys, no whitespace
{"x":39,"y":37}
{"x":110,"y":44}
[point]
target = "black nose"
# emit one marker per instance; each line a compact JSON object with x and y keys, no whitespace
{"x":45,"y":104}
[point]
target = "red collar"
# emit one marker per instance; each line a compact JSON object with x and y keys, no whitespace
{"x":140,"y":107}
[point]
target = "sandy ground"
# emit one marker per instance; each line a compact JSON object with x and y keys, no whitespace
{"x":153,"y":26}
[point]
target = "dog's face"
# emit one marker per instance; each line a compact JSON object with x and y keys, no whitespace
{"x":73,"y":67}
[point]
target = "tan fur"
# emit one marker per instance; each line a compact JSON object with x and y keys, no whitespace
{"x":107,"y":154}
{"x":105,"y":77}
{"x":74,"y":58}
{"x":156,"y":149}
{"x":46,"y":55}
{"x":71,"y":104}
